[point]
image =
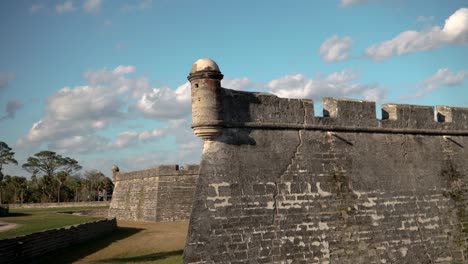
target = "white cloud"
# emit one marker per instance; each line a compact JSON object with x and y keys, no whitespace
{"x":337,"y":84}
{"x":74,"y":116}
{"x":240,"y":84}
{"x":405,"y":42}
{"x":126,"y":138}
{"x":343,"y":76}
{"x":346,"y":3}
{"x":88,"y":6}
{"x":456,"y":26}
{"x":117,"y":80}
{"x":65,"y":7}
{"x":455,"y":31}
{"x":99,"y":124}
{"x":80,"y":144}
{"x":164,"y":103}
{"x":82,"y":102}
{"x":90,"y":143}
{"x":335,"y":48}
{"x":49,"y":130}
{"x":442,"y":78}
{"x":83,"y":110}
{"x":92,"y":5}
{"x":186,"y":150}
{"x":120,"y":70}
{"x":151,"y":134}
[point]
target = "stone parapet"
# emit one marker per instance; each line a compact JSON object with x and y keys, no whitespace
{"x":267,"y":111}
{"x":159,"y":171}
{"x":25,"y":249}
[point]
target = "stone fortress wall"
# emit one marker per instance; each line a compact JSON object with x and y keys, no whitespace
{"x":279,"y":185}
{"x":27,"y":248}
{"x":162,"y":193}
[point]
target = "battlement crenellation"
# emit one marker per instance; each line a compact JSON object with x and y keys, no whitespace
{"x":257,"y":110}
{"x":215,"y":107}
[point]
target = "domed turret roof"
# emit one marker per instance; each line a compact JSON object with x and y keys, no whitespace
{"x":204,"y":64}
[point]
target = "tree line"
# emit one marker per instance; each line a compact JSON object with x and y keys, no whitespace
{"x":53,"y":179}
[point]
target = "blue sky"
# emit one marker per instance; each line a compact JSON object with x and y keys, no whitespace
{"x":104,"y":81}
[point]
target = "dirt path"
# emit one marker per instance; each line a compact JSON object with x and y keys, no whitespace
{"x":4,"y":226}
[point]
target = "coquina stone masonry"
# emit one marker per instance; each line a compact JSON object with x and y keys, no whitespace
{"x":279,"y":185}
{"x":163,"y":193}
{"x":27,"y":248}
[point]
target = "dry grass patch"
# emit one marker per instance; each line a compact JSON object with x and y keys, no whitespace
{"x":133,"y":242}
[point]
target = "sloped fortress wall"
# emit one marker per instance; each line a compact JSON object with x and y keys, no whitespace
{"x":163,"y":193}
{"x":278,"y":185}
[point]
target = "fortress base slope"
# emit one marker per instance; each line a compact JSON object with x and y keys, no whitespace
{"x":278,"y":185}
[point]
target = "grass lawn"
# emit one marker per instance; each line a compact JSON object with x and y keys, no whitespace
{"x":57,"y":209}
{"x":133,"y":242}
{"x":38,"y":219}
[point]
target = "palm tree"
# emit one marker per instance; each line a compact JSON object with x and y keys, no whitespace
{"x":18,"y":183}
{"x":61,"y":178}
{"x":74,"y":183}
